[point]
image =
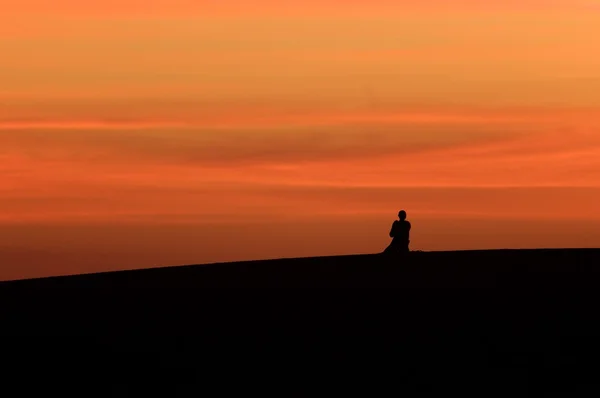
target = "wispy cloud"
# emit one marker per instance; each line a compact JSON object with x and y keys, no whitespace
{"x":204,"y":175}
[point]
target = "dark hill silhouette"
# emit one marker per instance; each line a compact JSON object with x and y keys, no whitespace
{"x":518,"y":322}
{"x":473,"y":269}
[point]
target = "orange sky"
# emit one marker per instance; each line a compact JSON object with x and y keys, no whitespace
{"x":157,"y":132}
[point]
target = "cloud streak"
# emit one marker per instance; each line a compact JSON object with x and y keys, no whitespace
{"x":118,"y":175}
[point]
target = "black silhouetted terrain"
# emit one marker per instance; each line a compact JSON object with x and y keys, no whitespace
{"x":490,"y":323}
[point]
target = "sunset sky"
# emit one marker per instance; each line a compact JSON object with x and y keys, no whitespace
{"x":138,"y":133}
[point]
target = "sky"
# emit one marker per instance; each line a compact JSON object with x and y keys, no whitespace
{"x":149,"y":133}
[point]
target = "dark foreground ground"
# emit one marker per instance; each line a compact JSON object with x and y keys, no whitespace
{"x":489,"y":323}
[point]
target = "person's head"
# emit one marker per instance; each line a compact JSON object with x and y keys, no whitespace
{"x":402,"y":215}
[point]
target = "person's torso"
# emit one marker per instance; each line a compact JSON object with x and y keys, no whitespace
{"x":402,"y":230}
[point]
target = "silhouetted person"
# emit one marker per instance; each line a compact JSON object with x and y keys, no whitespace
{"x":400,"y":234}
